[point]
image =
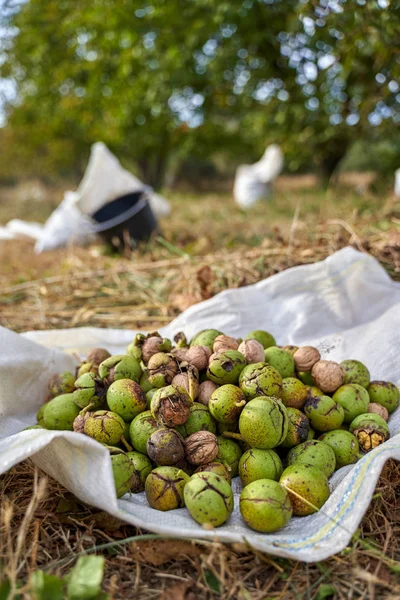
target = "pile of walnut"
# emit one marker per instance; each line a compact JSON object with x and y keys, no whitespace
{"x":182,"y":419}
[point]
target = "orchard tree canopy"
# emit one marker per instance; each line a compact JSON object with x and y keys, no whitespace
{"x":156,"y":79}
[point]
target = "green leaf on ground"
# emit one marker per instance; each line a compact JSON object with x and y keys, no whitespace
{"x":86,"y":578}
{"x":212,"y":581}
{"x":325,"y":590}
{"x":46,"y":587}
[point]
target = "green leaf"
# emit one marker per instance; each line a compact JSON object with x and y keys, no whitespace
{"x":325,"y":590}
{"x":212,"y":581}
{"x":85,"y":578}
{"x":4,"y":589}
{"x":46,"y":587}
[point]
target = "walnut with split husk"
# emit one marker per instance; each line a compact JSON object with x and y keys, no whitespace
{"x":170,"y":406}
{"x":162,"y":368}
{"x":79,"y":422}
{"x":152,"y":344}
{"x":181,"y":340}
{"x":188,"y":379}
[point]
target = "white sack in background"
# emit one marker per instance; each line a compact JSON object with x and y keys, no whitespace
{"x":346,"y":305}
{"x":104,"y":180}
{"x":397,"y":183}
{"x":254,"y":182}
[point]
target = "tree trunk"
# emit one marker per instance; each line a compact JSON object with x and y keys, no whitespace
{"x":329,"y":158}
{"x":153,"y":169}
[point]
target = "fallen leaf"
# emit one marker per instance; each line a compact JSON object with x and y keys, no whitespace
{"x":158,"y":552}
{"x":179,"y":591}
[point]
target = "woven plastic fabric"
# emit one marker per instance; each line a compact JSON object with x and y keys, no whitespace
{"x":346,"y":305}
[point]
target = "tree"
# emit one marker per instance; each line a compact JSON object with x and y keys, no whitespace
{"x":169,"y":78}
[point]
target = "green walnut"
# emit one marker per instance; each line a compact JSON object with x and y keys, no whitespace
{"x":293,"y":393}
{"x":144,"y":382}
{"x":209,"y":499}
{"x":324,"y":413}
{"x":311,"y":434}
{"x":313,"y":391}
{"x":226,"y":367}
{"x":306,"y":378}
{"x":40,"y":415}
{"x":90,"y":392}
{"x":265,"y":338}
{"x":265,"y":505}
{"x":62,"y":383}
{"x":87,"y":367}
{"x":134,"y":351}
{"x":229,"y":452}
{"x":141,"y":429}
{"x":143,"y":467}
{"x":199,"y":420}
{"x":226,"y":403}
{"x":315,"y":453}
{"x":60,"y":413}
{"x":298,"y":429}
{"x":384,"y":393}
{"x":308,"y":488}
{"x":217,"y":467}
{"x":105,"y":426}
{"x":259,"y":464}
{"x":281,"y":360}
{"x":120,"y":366}
{"x":162,"y":368}
{"x":126,"y":398}
{"x":151,"y":344}
{"x":164,"y":488}
{"x":370,"y":430}
{"x":345,"y":446}
{"x":260,"y":379}
{"x":232,"y":427}
{"x":354,"y":399}
{"x":205,"y":338}
{"x":170,"y":406}
{"x":165,"y":447}
{"x":355,"y":372}
{"x":124,"y":473}
{"x":291,"y":349}
{"x":149,"y":397}
{"x":264,"y":422}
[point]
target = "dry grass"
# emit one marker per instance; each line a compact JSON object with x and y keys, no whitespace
{"x":207,"y":246}
{"x":43,"y":526}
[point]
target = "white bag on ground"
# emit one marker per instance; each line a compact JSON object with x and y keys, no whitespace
{"x":104,"y":180}
{"x":254,"y":182}
{"x":346,"y":305}
{"x":397,"y":183}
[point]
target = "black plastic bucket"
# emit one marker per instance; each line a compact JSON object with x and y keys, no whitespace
{"x":126,"y":220}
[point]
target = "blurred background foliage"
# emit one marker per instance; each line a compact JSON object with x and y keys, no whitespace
{"x":178,"y":87}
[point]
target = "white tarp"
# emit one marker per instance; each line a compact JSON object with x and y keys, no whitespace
{"x":104,"y":180}
{"x":254,"y":182}
{"x":346,"y":305}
